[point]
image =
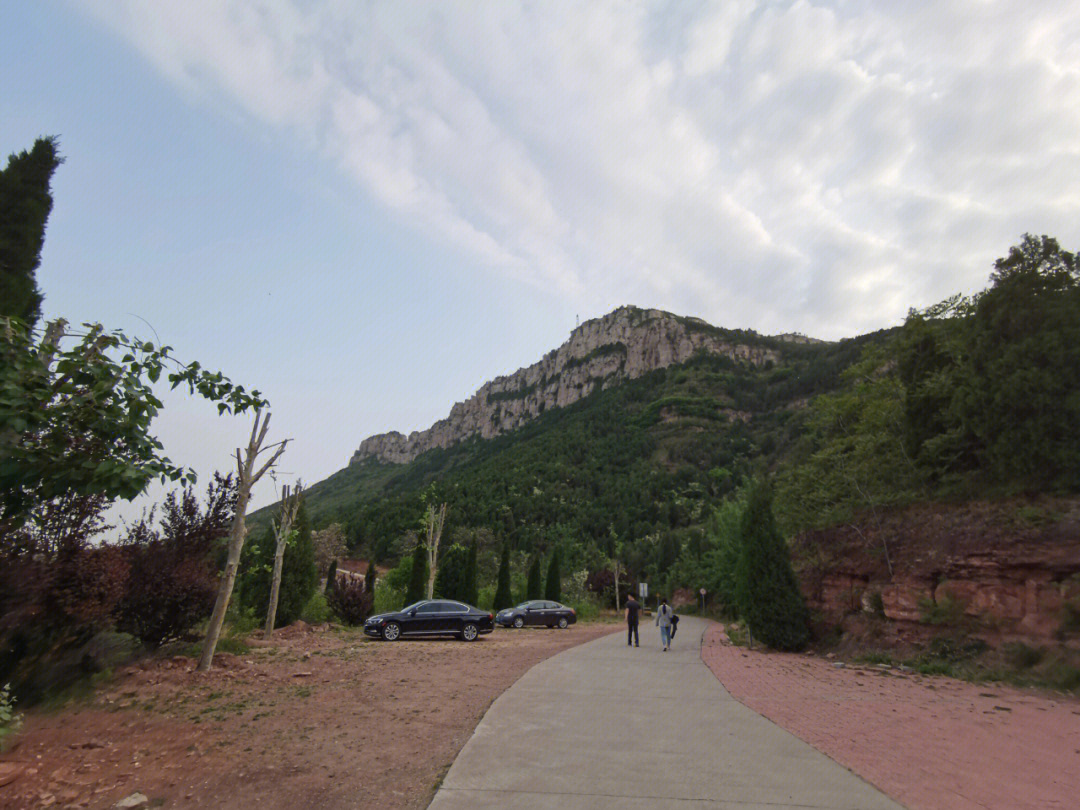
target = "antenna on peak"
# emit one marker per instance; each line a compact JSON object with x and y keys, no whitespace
{"x":577,"y":318}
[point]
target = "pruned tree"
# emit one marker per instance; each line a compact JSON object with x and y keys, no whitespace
{"x":290,"y":503}
{"x":434,"y":520}
{"x":248,"y":474}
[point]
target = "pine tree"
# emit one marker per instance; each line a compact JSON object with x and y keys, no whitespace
{"x":535,"y":587}
{"x":503,"y":597}
{"x":472,"y":592}
{"x":767,"y":592}
{"x":418,"y":575}
{"x":25,"y":204}
{"x":553,"y":591}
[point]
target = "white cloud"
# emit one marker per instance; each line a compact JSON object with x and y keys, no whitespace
{"x":808,"y":165}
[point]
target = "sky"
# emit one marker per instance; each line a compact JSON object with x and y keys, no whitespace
{"x":367,"y":210}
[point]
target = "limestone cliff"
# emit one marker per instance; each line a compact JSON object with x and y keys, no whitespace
{"x":624,"y":344}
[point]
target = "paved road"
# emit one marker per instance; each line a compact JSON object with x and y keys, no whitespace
{"x":604,"y":725}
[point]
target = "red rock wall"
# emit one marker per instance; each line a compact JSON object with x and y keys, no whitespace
{"x":1008,"y":569}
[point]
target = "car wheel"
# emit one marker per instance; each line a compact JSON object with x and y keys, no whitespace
{"x":469,"y":632}
{"x":563,"y":622}
{"x":392,"y":631}
{"x":519,"y":622}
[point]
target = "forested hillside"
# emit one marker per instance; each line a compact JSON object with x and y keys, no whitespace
{"x":976,"y":397}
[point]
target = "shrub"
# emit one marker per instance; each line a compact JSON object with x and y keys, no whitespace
{"x":534,"y":589}
{"x":10,"y":722}
{"x":451,"y":581}
{"x":1021,"y":656}
{"x":172,"y":583}
{"x":331,"y":576}
{"x":350,"y":600}
{"x":317,"y":610}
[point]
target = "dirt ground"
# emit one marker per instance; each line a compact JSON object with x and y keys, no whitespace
{"x":930,"y":742}
{"x":315,"y":718}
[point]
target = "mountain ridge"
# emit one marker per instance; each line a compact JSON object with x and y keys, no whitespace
{"x":622,"y":345}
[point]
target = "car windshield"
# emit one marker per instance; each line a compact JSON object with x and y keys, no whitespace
{"x":523,"y":605}
{"x":413,"y":605}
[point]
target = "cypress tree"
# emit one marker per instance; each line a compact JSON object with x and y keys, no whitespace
{"x":472,"y":592}
{"x":553,"y":591}
{"x":503,"y":597}
{"x":299,"y":575}
{"x":25,"y":204}
{"x":767,"y":591}
{"x":417,"y":589}
{"x":535,"y":587}
{"x":370,"y":577}
{"x":331,"y":576}
{"x":453,"y":571}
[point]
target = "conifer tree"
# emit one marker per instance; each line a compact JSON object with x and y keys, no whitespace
{"x":472,"y":593}
{"x":25,"y":204}
{"x":535,"y":587}
{"x":331,"y":576}
{"x":418,"y":575}
{"x":370,"y":578}
{"x":768,"y":594}
{"x":503,"y":597}
{"x":553,"y":591}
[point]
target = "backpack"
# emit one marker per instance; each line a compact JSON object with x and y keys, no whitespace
{"x":674,"y":619}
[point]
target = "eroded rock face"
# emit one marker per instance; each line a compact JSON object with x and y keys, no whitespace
{"x":976,"y":565}
{"x":625,"y":344}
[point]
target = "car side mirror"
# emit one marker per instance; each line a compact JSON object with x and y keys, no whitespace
{"x":412,"y":612}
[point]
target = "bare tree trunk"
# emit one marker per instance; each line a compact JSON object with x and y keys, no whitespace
{"x":247,"y":476}
{"x":616,"y":586}
{"x":289,"y":508}
{"x":435,"y":521}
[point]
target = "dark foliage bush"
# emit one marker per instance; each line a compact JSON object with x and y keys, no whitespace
{"x":503,"y":597}
{"x":418,"y":575}
{"x":173,"y":581}
{"x":534,"y":588}
{"x":451,"y":580}
{"x":350,"y":600}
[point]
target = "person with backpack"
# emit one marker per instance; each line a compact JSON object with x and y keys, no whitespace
{"x":663,"y":621}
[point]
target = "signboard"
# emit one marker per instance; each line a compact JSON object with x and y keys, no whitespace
{"x":702,"y":591}
{"x":643,"y":590}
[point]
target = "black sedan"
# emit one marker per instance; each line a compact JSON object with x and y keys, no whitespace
{"x":431,"y":617}
{"x":540,"y":613}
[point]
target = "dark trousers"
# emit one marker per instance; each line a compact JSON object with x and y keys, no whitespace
{"x":631,"y":634}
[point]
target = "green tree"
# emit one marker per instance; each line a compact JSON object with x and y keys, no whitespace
{"x":299,"y":576}
{"x":370,"y":578}
{"x":503,"y":597}
{"x":451,"y":581}
{"x":472,"y":588}
{"x":1020,"y":396}
{"x":25,"y":204}
{"x":553,"y":588}
{"x":331,"y":576}
{"x":418,"y":574}
{"x":767,"y":591}
{"x":75,"y":418}
{"x":535,"y":587}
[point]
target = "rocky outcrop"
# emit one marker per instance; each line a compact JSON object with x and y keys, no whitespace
{"x":1006,"y":570}
{"x":624,"y":344}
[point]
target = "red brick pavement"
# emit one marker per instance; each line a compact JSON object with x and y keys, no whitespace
{"x":931,"y":743}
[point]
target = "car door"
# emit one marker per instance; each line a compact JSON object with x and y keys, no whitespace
{"x":452,"y":618}
{"x":535,"y":614}
{"x":425,"y":620}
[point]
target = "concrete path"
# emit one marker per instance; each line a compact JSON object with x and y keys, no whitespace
{"x":604,"y":725}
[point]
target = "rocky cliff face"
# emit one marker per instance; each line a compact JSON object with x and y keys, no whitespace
{"x":625,"y":344}
{"x":1004,"y":570}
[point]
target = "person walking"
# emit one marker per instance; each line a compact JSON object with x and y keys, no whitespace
{"x":663,"y":621}
{"x":633,"y":608}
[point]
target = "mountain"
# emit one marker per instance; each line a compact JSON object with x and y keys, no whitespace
{"x":626,"y":430}
{"x":600,"y":353}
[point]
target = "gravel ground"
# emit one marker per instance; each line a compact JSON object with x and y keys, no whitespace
{"x":931,"y":743}
{"x":314,"y":718}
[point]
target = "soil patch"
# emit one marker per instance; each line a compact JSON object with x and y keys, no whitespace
{"x":315,"y":718}
{"x":930,"y":742}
